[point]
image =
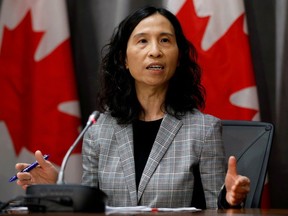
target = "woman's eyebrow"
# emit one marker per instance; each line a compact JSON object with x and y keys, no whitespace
{"x":162,"y":33}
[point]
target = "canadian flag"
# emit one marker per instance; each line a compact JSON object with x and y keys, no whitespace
{"x":39,"y":106}
{"x":217,"y":28}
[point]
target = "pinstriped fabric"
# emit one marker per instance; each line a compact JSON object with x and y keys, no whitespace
{"x":167,"y":180}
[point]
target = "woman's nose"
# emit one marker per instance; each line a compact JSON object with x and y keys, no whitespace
{"x":155,"y":50}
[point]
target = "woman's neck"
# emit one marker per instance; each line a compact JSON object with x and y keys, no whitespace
{"x":152,"y":104}
{"x":151,"y":116}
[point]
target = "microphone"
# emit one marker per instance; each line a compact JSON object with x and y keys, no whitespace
{"x":63,"y":197}
{"x":91,"y":120}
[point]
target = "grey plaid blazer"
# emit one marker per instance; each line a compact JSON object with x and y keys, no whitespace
{"x":167,"y":180}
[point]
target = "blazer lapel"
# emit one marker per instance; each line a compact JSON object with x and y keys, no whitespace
{"x":124,"y":136}
{"x":167,"y":131}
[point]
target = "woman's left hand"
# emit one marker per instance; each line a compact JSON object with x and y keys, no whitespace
{"x":237,"y":186}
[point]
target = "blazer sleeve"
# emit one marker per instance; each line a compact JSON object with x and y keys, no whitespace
{"x":90,"y":158}
{"x":212,"y":163}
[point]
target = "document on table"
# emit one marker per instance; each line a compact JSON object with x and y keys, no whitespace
{"x":133,"y":209}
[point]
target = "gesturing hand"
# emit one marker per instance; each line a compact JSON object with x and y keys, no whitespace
{"x":237,"y":186}
{"x":44,"y":173}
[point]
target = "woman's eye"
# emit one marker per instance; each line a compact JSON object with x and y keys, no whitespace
{"x":165,"y":40}
{"x":142,"y":41}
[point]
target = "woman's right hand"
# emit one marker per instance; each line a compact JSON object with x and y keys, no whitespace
{"x":44,"y":173}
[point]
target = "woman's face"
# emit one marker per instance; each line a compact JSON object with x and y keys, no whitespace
{"x":152,"y":52}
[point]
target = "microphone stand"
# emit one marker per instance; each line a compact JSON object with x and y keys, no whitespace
{"x":92,"y":119}
{"x":63,"y":197}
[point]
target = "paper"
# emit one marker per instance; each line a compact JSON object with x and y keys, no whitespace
{"x":133,"y":209}
{"x":16,"y":210}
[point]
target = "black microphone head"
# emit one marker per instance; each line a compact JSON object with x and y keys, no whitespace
{"x":93,"y":117}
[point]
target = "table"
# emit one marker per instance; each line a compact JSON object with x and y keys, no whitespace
{"x":250,"y":212}
{"x":236,"y":212}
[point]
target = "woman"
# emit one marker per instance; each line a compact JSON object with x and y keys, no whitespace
{"x":151,"y":139}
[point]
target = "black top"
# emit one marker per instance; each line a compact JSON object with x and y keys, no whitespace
{"x":144,"y":134}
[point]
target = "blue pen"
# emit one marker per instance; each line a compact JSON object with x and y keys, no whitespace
{"x":28,"y":168}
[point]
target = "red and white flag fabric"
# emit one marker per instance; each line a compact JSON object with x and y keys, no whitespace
{"x":39,"y":107}
{"x":218,"y":30}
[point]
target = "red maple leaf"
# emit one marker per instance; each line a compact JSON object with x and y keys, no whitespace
{"x":31,"y":92}
{"x":227,"y":66}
